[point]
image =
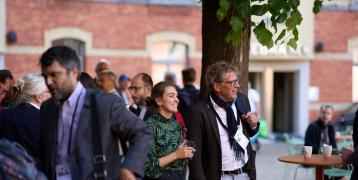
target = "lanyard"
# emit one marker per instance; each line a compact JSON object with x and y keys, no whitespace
{"x":220,"y":121}
{"x":72,"y":122}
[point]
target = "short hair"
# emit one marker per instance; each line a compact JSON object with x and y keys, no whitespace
{"x":5,"y":74}
{"x":30,"y":85}
{"x":100,"y":62}
{"x":215,"y":72}
{"x":170,"y":77}
{"x":188,"y":74}
{"x":326,"y":106}
{"x":146,"y":79}
{"x":109,"y":74}
{"x":64,"y":55}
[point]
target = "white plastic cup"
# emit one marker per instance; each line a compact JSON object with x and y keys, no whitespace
{"x":327,"y":151}
{"x":307,"y":151}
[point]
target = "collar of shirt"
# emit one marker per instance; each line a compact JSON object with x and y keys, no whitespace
{"x":34,"y":105}
{"x":217,"y":108}
{"x":71,"y":101}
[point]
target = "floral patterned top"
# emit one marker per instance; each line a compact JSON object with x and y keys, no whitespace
{"x":167,"y":138}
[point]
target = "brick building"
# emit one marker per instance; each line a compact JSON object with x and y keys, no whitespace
{"x":156,"y":36}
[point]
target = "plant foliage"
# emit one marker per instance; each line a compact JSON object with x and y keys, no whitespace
{"x":272,"y":14}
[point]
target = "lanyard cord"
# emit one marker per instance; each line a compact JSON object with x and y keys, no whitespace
{"x":72,"y":122}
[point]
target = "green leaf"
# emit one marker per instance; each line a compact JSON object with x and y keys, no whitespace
{"x":272,"y":11}
{"x":282,"y":17}
{"x":236,"y":23}
{"x":294,"y":3}
{"x":317,"y":6}
{"x":228,"y":37}
{"x":295,"y":33}
{"x":220,"y":14}
{"x":292,"y":43}
{"x":259,"y":10}
{"x":295,"y":19}
{"x":224,"y":5}
{"x":277,"y":5}
{"x":236,"y":37}
{"x":263,"y":35}
{"x":282,"y":34}
{"x":274,"y":23}
{"x":243,"y":9}
{"x":222,"y":11}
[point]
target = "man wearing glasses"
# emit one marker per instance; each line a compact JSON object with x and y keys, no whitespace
{"x":221,"y":127}
{"x":141,"y":89}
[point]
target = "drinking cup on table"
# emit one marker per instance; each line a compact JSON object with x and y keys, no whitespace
{"x":307,"y":151}
{"x":327,"y":151}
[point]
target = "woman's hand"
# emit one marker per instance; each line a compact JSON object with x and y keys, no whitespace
{"x":184,"y":152}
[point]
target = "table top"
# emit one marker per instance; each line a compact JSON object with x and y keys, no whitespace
{"x":314,"y":160}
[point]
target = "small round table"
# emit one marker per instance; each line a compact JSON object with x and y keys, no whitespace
{"x":317,"y":160}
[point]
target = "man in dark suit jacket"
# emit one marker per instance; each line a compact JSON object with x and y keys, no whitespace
{"x":80,"y":128}
{"x":141,"y":89}
{"x":220,"y":127}
{"x":351,"y":157}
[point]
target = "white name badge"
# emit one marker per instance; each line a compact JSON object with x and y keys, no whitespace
{"x":63,"y":172}
{"x":241,"y":139}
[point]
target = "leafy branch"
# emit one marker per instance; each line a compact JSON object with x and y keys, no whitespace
{"x":272,"y":15}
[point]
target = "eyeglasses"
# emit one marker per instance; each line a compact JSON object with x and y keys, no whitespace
{"x":135,"y":88}
{"x":233,"y":82}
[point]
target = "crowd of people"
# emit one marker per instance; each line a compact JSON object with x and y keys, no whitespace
{"x":107,"y":127}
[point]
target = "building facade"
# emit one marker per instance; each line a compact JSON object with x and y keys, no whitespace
{"x":156,"y":37}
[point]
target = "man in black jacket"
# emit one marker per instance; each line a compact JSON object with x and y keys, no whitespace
{"x":321,"y":132}
{"x":221,"y":126}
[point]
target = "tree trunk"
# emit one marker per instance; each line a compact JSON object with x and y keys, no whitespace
{"x":215,"y":48}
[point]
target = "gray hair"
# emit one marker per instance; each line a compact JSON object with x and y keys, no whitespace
{"x":31,"y":84}
{"x":326,"y":106}
{"x":216,"y":71}
{"x":110,"y":74}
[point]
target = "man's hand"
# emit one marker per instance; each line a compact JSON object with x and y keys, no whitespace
{"x":251,"y":119}
{"x":125,"y":174}
{"x":345,"y":153}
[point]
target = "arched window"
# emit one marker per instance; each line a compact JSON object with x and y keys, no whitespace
{"x":77,"y":45}
{"x":168,"y":57}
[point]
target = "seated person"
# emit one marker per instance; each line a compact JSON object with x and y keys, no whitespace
{"x":321,"y":132}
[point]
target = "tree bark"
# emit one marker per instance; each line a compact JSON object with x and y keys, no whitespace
{"x":215,"y":48}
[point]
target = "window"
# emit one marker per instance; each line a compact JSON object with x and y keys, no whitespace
{"x":341,"y":4}
{"x":76,"y":45}
{"x":168,"y":57}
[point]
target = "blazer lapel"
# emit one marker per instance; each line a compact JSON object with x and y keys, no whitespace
{"x":213,"y":122}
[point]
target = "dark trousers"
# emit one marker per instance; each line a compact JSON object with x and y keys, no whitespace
{"x":170,"y":175}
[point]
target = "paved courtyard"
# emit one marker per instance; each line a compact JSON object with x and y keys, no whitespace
{"x":269,"y":168}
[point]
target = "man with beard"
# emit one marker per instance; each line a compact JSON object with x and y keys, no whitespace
{"x":80,"y":128}
{"x":9,"y":93}
{"x":141,"y":89}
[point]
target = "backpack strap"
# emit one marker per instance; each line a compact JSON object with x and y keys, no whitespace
{"x":98,"y":158}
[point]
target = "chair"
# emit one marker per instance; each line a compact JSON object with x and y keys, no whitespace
{"x":333,"y":172}
{"x":294,"y":147}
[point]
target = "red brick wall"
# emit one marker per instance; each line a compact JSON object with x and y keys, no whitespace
{"x":334,"y":28}
{"x":22,"y":64}
{"x":114,"y":26}
{"x":334,"y":79}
